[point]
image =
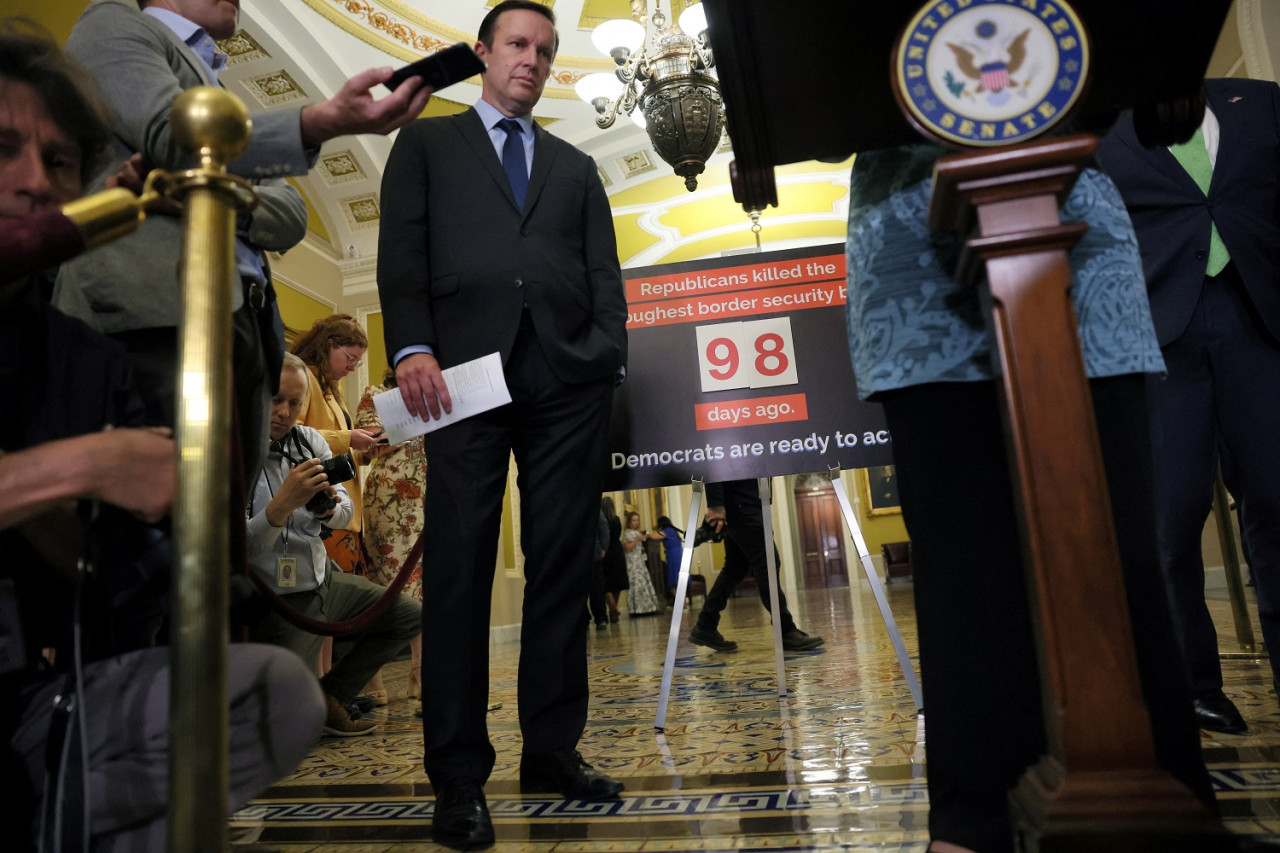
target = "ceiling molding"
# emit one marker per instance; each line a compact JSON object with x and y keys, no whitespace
{"x":389,"y":32}
{"x":405,"y":42}
{"x":294,"y":284}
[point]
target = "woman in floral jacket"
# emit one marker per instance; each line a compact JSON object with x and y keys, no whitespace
{"x":393,"y":492}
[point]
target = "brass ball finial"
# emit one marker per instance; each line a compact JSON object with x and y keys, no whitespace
{"x":212,"y":122}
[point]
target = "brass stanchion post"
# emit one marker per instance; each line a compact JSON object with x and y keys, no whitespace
{"x":215,"y":124}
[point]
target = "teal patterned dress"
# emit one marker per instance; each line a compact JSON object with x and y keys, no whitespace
{"x":911,"y":323}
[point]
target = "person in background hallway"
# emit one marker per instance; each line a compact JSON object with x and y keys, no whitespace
{"x":919,"y":346}
{"x":641,"y":598}
{"x":332,"y":348}
{"x":393,"y":493}
{"x":143,"y":60}
{"x":672,"y":550}
{"x":596,"y":611}
{"x":79,"y":468}
{"x":615,"y":560}
{"x":286,"y":552}
{"x":733,"y":506}
{"x":1207,"y":215}
{"x":497,"y":237}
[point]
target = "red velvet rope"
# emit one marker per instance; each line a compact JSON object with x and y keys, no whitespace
{"x":361,"y":621}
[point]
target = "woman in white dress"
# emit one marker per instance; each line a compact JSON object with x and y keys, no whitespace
{"x":641,"y":599}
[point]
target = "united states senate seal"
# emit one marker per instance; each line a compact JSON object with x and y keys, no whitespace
{"x":980,"y":73}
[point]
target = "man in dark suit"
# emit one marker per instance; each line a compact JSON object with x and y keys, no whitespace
{"x":497,"y":236}
{"x":1206,"y":218}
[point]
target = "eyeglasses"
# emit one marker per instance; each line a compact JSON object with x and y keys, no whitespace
{"x":352,"y":361}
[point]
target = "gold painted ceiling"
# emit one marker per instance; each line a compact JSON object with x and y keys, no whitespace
{"x":303,"y":49}
{"x":294,"y":51}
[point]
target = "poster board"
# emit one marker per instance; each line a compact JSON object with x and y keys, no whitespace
{"x":739,"y":368}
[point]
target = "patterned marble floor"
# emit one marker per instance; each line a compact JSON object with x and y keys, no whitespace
{"x":836,"y":764}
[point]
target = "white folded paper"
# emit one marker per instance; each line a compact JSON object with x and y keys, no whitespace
{"x":474,"y":387}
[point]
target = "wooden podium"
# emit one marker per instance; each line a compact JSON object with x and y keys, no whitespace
{"x":1099,"y":788}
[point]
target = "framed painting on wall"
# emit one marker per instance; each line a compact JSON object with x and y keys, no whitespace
{"x":881,"y":484}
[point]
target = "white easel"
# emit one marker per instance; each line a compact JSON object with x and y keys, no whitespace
{"x":877,"y":588}
{"x":766,"y":495}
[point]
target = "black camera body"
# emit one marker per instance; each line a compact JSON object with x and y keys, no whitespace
{"x":707,"y":533}
{"x":339,"y":469}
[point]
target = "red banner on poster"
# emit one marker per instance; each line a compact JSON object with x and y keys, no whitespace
{"x":740,"y":368}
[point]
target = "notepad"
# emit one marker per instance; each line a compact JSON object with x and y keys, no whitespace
{"x":474,"y":387}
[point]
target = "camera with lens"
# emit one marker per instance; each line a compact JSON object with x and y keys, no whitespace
{"x":339,"y":469}
{"x":707,"y":533}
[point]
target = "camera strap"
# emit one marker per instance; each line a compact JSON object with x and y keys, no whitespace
{"x":64,"y":823}
{"x":273,"y":447}
{"x":299,"y":443}
{"x":64,"y":818}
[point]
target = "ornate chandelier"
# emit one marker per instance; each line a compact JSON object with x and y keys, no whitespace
{"x":666,"y":73}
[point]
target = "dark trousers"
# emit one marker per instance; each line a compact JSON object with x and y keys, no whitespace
{"x":1219,"y":403}
{"x":596,"y":609}
{"x":153,"y":356}
{"x":344,"y":596}
{"x":738,"y":561}
{"x":275,"y":714}
{"x":558,"y":434}
{"x":978,"y":662}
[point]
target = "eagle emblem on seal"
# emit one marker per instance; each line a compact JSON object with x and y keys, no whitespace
{"x":991,"y":66}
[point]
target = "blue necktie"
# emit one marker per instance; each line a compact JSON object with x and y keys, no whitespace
{"x":513,"y":159}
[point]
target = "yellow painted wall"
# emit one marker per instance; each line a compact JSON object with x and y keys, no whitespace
{"x":298,"y":309}
{"x":376,"y":357}
{"x":57,"y":16}
{"x":879,"y":529}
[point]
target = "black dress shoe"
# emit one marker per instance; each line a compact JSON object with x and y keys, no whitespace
{"x":796,"y":640}
{"x":461,"y":817}
{"x":564,"y":772}
{"x":1216,"y":713}
{"x":711,"y":638}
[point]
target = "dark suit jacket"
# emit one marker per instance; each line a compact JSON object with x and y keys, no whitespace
{"x":1172,"y":215}
{"x":457,"y":262}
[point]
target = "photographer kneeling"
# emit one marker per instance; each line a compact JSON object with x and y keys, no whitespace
{"x":293,"y":498}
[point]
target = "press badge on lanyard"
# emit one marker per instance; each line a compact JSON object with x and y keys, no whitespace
{"x":286,"y":571}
